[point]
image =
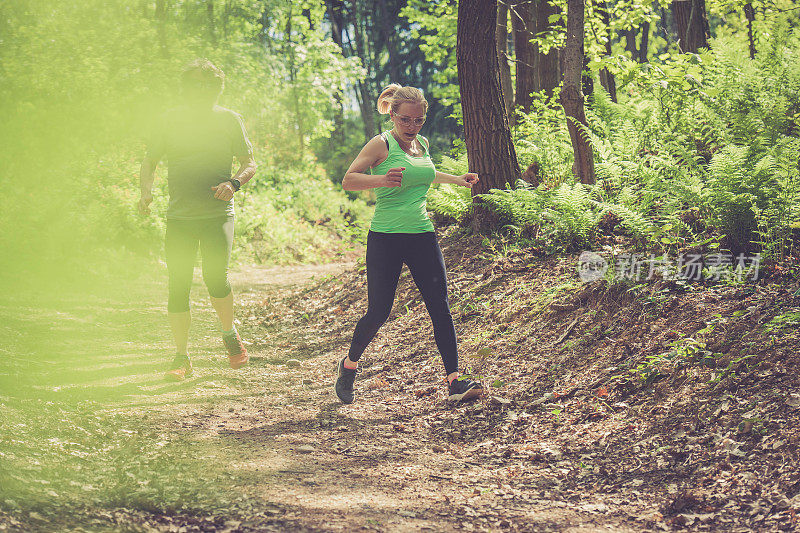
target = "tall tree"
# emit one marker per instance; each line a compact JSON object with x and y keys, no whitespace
{"x":523,"y":24}
{"x":691,"y":24}
{"x":571,"y":95}
{"x":501,"y":36}
{"x":490,"y":151}
{"x":388,"y":13}
{"x":161,"y":18}
{"x":366,"y":94}
{"x":548,"y":65}
{"x":212,"y":27}
{"x":336,"y":18}
{"x":638,"y":51}
{"x":750,"y":14}
{"x":389,"y":48}
{"x":644,"y":43}
{"x":606,"y":76}
{"x":536,"y":71}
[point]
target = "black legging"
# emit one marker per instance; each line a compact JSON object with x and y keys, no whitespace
{"x":215,"y":238}
{"x":386,"y":253}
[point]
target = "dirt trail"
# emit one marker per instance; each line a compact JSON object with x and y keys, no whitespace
{"x":571,"y":438}
{"x":315,"y":464}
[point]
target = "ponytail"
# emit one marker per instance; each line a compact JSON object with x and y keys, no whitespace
{"x":394,"y":95}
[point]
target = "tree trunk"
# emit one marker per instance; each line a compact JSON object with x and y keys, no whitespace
{"x":548,"y":71}
{"x":212,"y":30}
{"x":641,"y":57}
{"x":161,"y":20}
{"x":226,"y":13}
{"x":607,"y":78}
{"x":571,"y":95}
{"x":691,"y":24}
{"x":522,"y":24}
{"x":638,"y":54}
{"x":388,"y":18}
{"x":365,"y":104}
{"x":750,"y":13}
{"x":366,"y":98}
{"x":535,"y":71}
{"x":490,"y":151}
{"x":630,"y":42}
{"x":501,"y":36}
{"x":337,"y":34}
{"x":289,"y":53}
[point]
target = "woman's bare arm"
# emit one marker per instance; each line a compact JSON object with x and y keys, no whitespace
{"x":465,"y":180}
{"x":373,"y":154}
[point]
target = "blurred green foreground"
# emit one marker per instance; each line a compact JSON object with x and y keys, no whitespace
{"x":83,"y":332}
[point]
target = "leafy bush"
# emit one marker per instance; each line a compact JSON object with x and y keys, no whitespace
{"x":72,"y":130}
{"x":698,"y":144}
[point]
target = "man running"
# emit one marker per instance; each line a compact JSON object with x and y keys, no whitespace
{"x":199,"y":140}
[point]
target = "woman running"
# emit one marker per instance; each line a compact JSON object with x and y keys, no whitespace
{"x":398,"y":166}
{"x":199,"y":141}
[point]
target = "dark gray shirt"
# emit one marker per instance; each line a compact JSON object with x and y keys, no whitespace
{"x":199,"y":147}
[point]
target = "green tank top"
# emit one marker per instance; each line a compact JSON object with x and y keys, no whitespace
{"x":404,"y":209}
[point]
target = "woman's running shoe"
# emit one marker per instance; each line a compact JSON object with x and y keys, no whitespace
{"x":344,"y":382}
{"x":237,"y":353}
{"x":464,"y":388}
{"x":180,"y":369}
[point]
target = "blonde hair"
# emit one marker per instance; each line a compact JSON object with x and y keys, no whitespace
{"x":394,"y":95}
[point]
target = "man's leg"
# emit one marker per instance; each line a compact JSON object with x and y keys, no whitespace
{"x":179,"y":324}
{"x":224,"y":309}
{"x":181,"y":252}
{"x":216,"y":242}
{"x":215,"y":246}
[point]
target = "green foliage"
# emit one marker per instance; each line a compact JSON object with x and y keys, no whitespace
{"x":56,"y":459}
{"x":739,"y":183}
{"x":541,"y":138}
{"x":634,"y":222}
{"x":686,"y":351}
{"x":451,"y":202}
{"x":298,"y":217}
{"x":573,"y":222}
{"x":73,"y":128}
{"x":701,"y":149}
{"x":435,"y":24}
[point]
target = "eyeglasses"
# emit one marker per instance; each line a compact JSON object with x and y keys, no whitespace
{"x":408,"y":121}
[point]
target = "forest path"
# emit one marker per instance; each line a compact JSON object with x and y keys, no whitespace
{"x":292,"y":457}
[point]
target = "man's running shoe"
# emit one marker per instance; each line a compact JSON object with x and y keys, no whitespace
{"x":344,"y":382}
{"x":237,"y":353}
{"x":180,"y":369}
{"x":464,"y":388}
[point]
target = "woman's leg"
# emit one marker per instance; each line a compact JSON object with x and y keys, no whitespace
{"x":425,"y":261}
{"x":384,"y":262}
{"x":181,"y":251}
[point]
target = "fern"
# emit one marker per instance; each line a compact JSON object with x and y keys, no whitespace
{"x":636,"y":223}
{"x":450,"y":202}
{"x":742,"y":183}
{"x":726,"y":143}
